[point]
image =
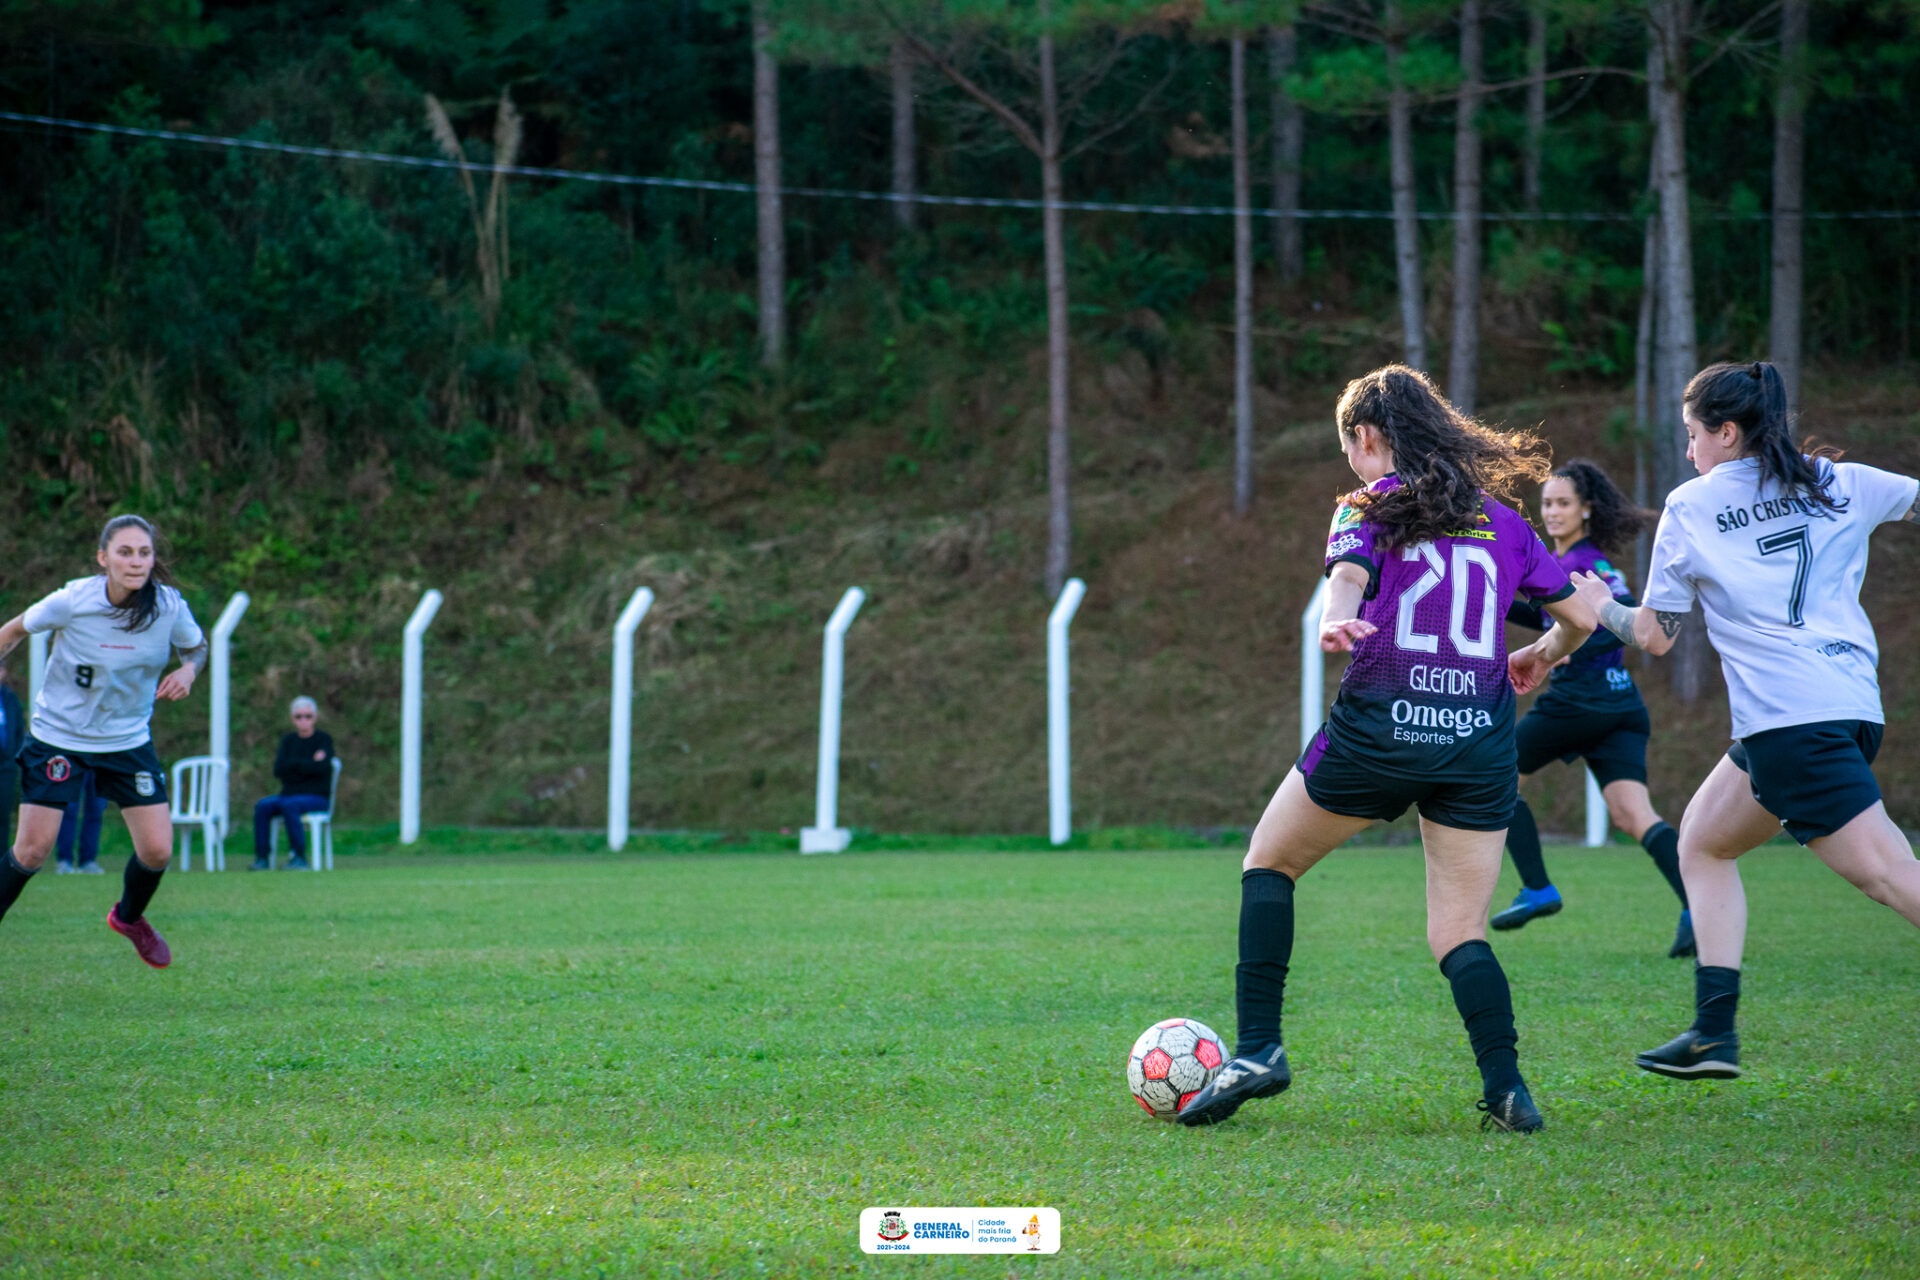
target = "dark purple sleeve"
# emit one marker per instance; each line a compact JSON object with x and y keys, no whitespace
{"x":1355,"y":538}
{"x":1541,"y":577}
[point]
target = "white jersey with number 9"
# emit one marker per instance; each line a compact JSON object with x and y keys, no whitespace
{"x":101,"y":679}
{"x":1779,"y":580}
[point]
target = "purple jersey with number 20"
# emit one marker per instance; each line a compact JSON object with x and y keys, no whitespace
{"x":1427,"y":692}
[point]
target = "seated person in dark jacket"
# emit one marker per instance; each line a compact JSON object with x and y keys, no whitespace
{"x":304,"y":766}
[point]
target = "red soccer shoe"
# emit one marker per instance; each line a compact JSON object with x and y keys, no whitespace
{"x":151,"y":946}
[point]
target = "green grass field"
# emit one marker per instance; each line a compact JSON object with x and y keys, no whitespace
{"x":707,"y":1065}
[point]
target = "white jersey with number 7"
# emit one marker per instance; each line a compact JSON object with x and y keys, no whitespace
{"x":1779,"y":580}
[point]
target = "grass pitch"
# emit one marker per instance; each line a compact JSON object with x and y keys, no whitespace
{"x":680,"y":1065}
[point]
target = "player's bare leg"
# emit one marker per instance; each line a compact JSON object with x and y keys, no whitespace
{"x":32,"y":842}
{"x":1631,"y":809}
{"x":1293,"y":834}
{"x":1872,"y":855}
{"x":1462,"y":869}
{"x":1723,"y":821}
{"x":152,"y":830}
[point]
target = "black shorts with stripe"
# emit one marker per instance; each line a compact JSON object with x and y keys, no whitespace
{"x":53,"y":776}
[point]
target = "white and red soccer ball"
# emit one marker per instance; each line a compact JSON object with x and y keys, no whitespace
{"x":1171,"y":1061}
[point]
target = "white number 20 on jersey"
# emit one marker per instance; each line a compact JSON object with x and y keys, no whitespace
{"x":1466,"y":558}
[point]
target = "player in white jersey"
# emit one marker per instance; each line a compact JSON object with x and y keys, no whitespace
{"x":1773,"y":544}
{"x":113,"y":635}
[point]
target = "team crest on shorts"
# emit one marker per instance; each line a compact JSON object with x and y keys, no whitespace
{"x":59,"y":769}
{"x":143,"y":784}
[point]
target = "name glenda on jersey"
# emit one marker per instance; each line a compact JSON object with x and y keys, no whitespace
{"x":1779,"y":580}
{"x":1427,"y":692}
{"x":100,"y":681}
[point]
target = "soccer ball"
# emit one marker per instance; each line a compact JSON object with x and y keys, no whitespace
{"x":1172,"y":1061}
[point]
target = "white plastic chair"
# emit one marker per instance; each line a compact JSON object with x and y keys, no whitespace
{"x":319,"y":830}
{"x":196,"y":781}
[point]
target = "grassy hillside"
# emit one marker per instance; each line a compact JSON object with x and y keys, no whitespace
{"x":1185,"y":653}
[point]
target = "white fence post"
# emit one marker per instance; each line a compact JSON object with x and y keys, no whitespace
{"x":1313,"y":667}
{"x":1596,"y":813}
{"x":220,"y":667}
{"x":36,"y":668}
{"x":1059,"y":762}
{"x":825,"y":836}
{"x":620,"y":745}
{"x":410,"y":717}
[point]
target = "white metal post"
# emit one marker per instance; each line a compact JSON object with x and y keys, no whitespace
{"x":1059,"y":775}
{"x":36,"y":667}
{"x":1596,"y":813}
{"x":1313,"y":667}
{"x":219,"y":667}
{"x":410,"y":717}
{"x":825,"y":836}
{"x":620,"y":744}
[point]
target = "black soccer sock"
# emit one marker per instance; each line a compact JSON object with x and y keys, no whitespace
{"x":1266,"y":946}
{"x":1485,"y":1003}
{"x":1716,"y":998}
{"x":13,"y":878}
{"x":1523,"y":842}
{"x":137,"y":889}
{"x":1662,"y":844}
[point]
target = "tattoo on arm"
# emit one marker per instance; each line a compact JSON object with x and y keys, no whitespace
{"x":195,"y":657}
{"x":1618,"y":619}
{"x":1913,"y":513}
{"x":1670,"y":622}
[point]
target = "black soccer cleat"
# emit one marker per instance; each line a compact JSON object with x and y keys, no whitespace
{"x":1529,"y":905}
{"x":1692,"y":1056}
{"x":1239,"y":1080}
{"x":1683,"y":938}
{"x":1511,"y":1112}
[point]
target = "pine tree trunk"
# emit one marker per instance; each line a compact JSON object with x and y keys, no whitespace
{"x":1789,"y":151}
{"x":1406,"y":227}
{"x":1642,"y":389}
{"x":1242,"y":289}
{"x":1059,"y":523}
{"x":1463,"y":369}
{"x":1289,"y":135}
{"x":901,"y":65}
{"x":1676,"y":344}
{"x":1536,"y":105}
{"x":766,"y":176}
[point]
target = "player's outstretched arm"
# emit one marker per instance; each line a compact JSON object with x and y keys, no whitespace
{"x":1340,"y":623}
{"x":12,"y":634}
{"x":1574,"y":622}
{"x":1643,"y":628}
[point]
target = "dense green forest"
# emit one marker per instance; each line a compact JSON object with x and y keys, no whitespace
{"x":337,"y":382}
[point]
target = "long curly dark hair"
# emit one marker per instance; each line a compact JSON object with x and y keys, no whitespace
{"x":1753,"y":398}
{"x":1447,"y":462}
{"x":1613,"y":522}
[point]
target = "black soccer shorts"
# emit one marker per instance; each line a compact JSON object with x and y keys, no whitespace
{"x":51,"y":776}
{"x":1815,"y":778}
{"x":1341,"y":780}
{"x":1613,"y":742}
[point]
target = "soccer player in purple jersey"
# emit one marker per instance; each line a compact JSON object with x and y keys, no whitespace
{"x":1421,"y":563}
{"x":1590,"y":708}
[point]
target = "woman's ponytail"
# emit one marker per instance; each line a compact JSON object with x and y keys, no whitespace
{"x":1754,"y":398}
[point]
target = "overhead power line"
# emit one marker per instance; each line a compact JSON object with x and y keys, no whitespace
{"x":834,"y":193}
